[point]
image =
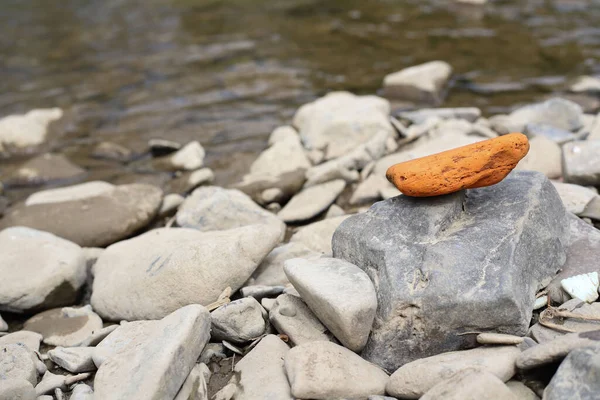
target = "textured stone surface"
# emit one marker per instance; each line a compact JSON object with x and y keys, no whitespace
{"x":311,"y":201}
{"x":149,"y":276}
{"x":73,"y":359}
{"x":16,"y":389}
{"x":195,"y":385}
{"x":324,"y":370}
{"x":476,"y":165}
{"x":578,"y":376}
{"x":317,"y":236}
{"x":17,"y":361}
{"x":39,"y":270}
{"x":128,"y":335}
{"x":30,"y":339}
{"x":239,"y":321}
{"x":414,"y":379}
{"x":292,"y":317}
{"x":470,"y":385}
{"x":574,"y":197}
{"x":65,"y":326}
{"x":580,"y":162}
{"x":270,"y":271}
{"x":339,"y":293}
{"x":420,"y":83}
{"x":440,"y":264}
{"x":156,"y":368}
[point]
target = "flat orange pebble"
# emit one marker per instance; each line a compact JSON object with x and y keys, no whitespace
{"x":476,"y":165}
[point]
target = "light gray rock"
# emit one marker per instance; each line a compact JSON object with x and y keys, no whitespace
{"x":557,"y":349}
{"x":413,"y":380}
{"x":73,"y":359}
{"x":135,"y":279}
{"x":158,"y":367}
{"x":317,"y":236}
{"x":200,"y":177}
{"x":211,"y":208}
{"x":578,"y":376}
{"x":585,"y":83}
{"x":340,"y":294}
{"x":98,"y":335}
{"x":49,"y":383}
{"x":544,"y":156}
{"x":89,"y":215}
{"x":195,"y":386}
{"x":574,"y":197}
{"x":16,"y":389}
{"x":270,"y":271}
{"x":272,"y":195}
{"x":340,"y":121}
{"x":260,"y":374}
{"x":335,"y":211}
{"x":17,"y":361}
{"x":27,"y":130}
{"x":421,"y":253}
{"x":282,"y":133}
{"x":324,"y":370}
{"x":239,"y":321}
{"x":190,"y":157}
{"x":65,"y":326}
{"x":128,"y":336}
{"x":211,"y":352}
{"x":39,"y":270}
{"x":556,"y":112}
{"x":521,"y":391}
{"x":470,"y":114}
{"x":259,"y":291}
{"x":471,"y":384}
{"x":377,"y":397}
{"x":45,"y":169}
{"x":311,"y":201}
{"x":30,"y":339}
{"x":292,"y":317}
{"x":170,"y":204}
{"x":580,"y":162}
{"x":3,"y":325}
{"x":498,"y":338}
{"x":420,"y":83}
{"x":557,"y":135}
{"x":82,"y":391}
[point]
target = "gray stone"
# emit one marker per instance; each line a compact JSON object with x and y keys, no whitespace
{"x":170,"y":204}
{"x":288,"y":183}
{"x":260,"y":291}
{"x":157,"y":367}
{"x":270,"y":271}
{"x":578,"y":376}
{"x":17,"y":361}
{"x":65,"y":326}
{"x":557,"y":135}
{"x":592,"y":209}
{"x":27,"y":130}
{"x":557,"y":349}
{"x":128,"y":336}
{"x":340,"y":294}
{"x":195,"y":385}
{"x":45,"y":169}
{"x":16,"y":389}
{"x":471,"y":384}
{"x":520,"y":391}
{"x":200,"y":177}
{"x":544,"y":156}
{"x":580,"y":162}
{"x":3,"y":325}
{"x":82,"y":392}
{"x":414,"y":379}
{"x":260,"y":374}
{"x":422,"y":253}
{"x":89,"y":215}
{"x":190,"y":157}
{"x":292,"y":317}
{"x":30,"y":339}
{"x":574,"y":197}
{"x":556,"y":112}
{"x":317,"y":236}
{"x":135,"y":279}
{"x":112,"y":151}
{"x":39,"y":270}
{"x":340,"y":121}
{"x":211,"y":208}
{"x":422,"y":83}
{"x":311,"y":201}
{"x":239,"y":321}
{"x":335,"y":211}
{"x":498,"y":338}
{"x":211,"y":352}
{"x":73,"y":359}
{"x":49,"y":383}
{"x":419,"y":116}
{"x":324,"y":370}
{"x":98,"y":335}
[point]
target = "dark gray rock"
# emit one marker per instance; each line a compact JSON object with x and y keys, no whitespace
{"x":441,"y":264}
{"x":578,"y":376}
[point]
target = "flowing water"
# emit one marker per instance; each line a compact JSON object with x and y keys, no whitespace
{"x":227,"y":72}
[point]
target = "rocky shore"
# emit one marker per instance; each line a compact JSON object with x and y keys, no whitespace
{"x":313,"y":277}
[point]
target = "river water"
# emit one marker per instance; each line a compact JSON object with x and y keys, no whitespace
{"x":227,"y":72}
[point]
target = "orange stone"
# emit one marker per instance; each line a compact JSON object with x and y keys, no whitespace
{"x":476,"y":165}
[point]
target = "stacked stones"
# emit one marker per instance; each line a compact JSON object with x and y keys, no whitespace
{"x":293,"y":284}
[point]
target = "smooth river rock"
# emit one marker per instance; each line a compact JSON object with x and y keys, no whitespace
{"x":19,"y":132}
{"x":580,"y":162}
{"x":317,"y":236}
{"x":470,"y":384}
{"x":292,"y":317}
{"x":239,"y":321}
{"x":420,"y":83}
{"x":311,"y":201}
{"x":270,"y":271}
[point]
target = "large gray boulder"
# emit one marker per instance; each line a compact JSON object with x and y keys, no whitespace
{"x":469,"y":261}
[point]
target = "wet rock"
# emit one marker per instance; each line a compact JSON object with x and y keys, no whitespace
{"x":324,"y":370}
{"x":557,"y":135}
{"x":498,"y":338}
{"x":195,"y":385}
{"x":239,"y":321}
{"x":189,"y":158}
{"x":112,"y":151}
{"x":340,"y":294}
{"x":557,"y":349}
{"x":260,"y":291}
{"x":340,"y":121}
{"x":30,"y":339}
{"x":470,"y":384}
{"x":420,"y":83}
{"x":211,"y":208}
{"x":18,"y":132}
{"x":556,"y":112}
{"x":17,"y":361}
{"x":82,"y":392}
{"x":134,"y":279}
{"x":3,"y":325}
{"x":414,"y":379}
{"x":311,"y":201}
{"x":270,"y":271}
{"x":45,"y":169}
{"x":574,"y":197}
{"x":170,"y":204}
{"x":65,"y":326}
{"x":92,"y":214}
{"x":470,"y":114}
{"x":39,"y":270}
{"x":411,"y":248}
{"x":580,"y":162}
{"x":578,"y":376}
{"x":158,"y":367}
{"x":260,"y":374}
{"x":17,"y":389}
{"x":292,"y":317}
{"x":162,"y":147}
{"x":317,"y":236}
{"x":544,"y":156}
{"x":458,"y":169}
{"x":73,"y":359}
